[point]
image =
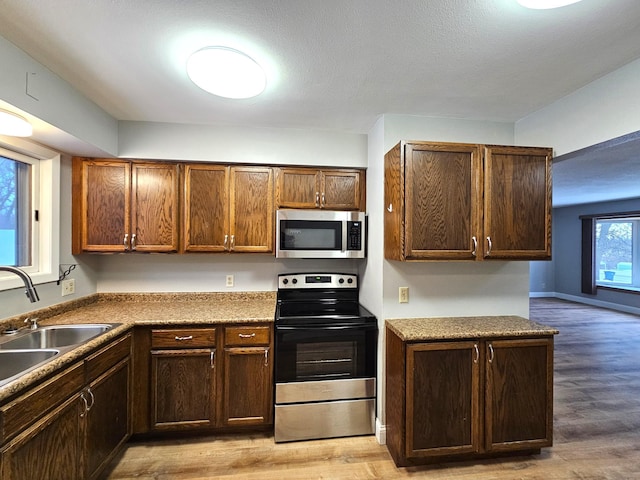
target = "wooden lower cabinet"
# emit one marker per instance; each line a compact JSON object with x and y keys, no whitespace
{"x":194,"y":387}
{"x":454,"y":400}
{"x":85,"y":424}
{"x":51,"y":449}
{"x":183,"y":389}
{"x":248,"y":379}
{"x":108,"y":424}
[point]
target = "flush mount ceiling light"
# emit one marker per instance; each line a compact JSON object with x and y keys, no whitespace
{"x":545,"y":4}
{"x":226,"y":72}
{"x":14,"y":125}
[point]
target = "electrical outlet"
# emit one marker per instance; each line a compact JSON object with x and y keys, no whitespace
{"x":403,"y":295}
{"x":229,"y":281}
{"x":68,"y":287}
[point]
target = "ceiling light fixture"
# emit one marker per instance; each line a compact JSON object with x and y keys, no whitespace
{"x":545,"y":4}
{"x":14,"y":125}
{"x":226,"y":72}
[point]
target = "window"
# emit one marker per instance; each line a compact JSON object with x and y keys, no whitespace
{"x":29,"y":212}
{"x":611,"y":252}
{"x":18,"y":186}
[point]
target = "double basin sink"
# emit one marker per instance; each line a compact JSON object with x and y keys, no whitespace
{"x":25,"y":351}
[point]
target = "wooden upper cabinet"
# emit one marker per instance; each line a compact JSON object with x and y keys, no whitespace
{"x":227,"y":209}
{"x":517,"y":202}
{"x":331,"y":189}
{"x":154,"y":207}
{"x":251,"y":209}
{"x":206,"y":208}
{"x":448,"y":201}
{"x":123,"y":206}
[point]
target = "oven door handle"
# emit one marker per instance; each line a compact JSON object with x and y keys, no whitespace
{"x":328,"y":327}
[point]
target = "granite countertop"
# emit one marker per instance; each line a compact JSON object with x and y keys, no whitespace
{"x":448,"y":328}
{"x":128,"y":310}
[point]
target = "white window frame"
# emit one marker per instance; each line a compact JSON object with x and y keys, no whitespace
{"x":46,"y":199}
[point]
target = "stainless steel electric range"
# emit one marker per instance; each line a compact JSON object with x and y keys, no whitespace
{"x":325,"y":358}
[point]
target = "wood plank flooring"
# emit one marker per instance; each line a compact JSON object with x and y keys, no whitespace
{"x":596,"y":424}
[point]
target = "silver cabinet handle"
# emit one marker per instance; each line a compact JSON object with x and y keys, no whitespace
{"x":86,"y":405}
{"x":317,"y":199}
{"x":182,"y":339}
{"x":226,"y":242}
{"x":491,"y":353}
{"x":390,"y":208}
{"x":324,"y":202}
{"x":213,"y":359}
{"x":477,"y":351}
{"x":233,"y":242}
{"x":133,"y":241}
{"x":244,"y":335}
{"x":475,"y":246}
{"x":266,"y":357}
{"x":93,"y":399}
{"x":490,"y":245}
{"x":126,"y":241}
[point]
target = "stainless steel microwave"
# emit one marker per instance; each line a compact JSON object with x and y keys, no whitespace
{"x":320,"y":234}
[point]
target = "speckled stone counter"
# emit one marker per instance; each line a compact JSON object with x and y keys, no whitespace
{"x":133,"y":309}
{"x":447,"y":328}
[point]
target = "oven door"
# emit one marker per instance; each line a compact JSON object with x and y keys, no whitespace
{"x":331,"y":352}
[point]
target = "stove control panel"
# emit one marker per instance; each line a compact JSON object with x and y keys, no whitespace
{"x":317,"y":280}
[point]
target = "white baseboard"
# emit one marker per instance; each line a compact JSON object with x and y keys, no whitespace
{"x":381,"y":432}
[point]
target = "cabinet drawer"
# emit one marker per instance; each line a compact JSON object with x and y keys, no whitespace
{"x":183,"y":338}
{"x":246,"y":335}
{"x":103,"y":360}
{"x":15,"y":416}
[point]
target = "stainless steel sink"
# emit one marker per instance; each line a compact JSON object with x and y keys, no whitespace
{"x":14,"y":363}
{"x":55,"y":336}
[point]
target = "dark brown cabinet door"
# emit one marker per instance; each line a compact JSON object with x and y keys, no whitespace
{"x":442,"y":398}
{"x":297,"y":188}
{"x":519,"y":394}
{"x":108,"y":420}
{"x":517,"y":202}
{"x":251,"y":210}
{"x":102,"y":211}
{"x":51,"y":449}
{"x":310,"y":188}
{"x":248,"y":394}
{"x":340,"y":190}
{"x":206,"y":208}
{"x":123,"y":206}
{"x":154,"y":207}
{"x":442,"y":201}
{"x":183,"y":389}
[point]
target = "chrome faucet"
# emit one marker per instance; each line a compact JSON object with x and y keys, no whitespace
{"x":31,"y":293}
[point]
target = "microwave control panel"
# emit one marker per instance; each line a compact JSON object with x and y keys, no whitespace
{"x":354,"y":235}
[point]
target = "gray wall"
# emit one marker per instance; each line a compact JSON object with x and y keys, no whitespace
{"x":567,"y":254}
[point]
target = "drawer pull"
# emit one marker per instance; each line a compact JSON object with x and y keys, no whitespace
{"x":182,"y":339}
{"x":244,"y":335}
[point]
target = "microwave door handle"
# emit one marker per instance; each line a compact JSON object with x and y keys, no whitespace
{"x":344,"y":236}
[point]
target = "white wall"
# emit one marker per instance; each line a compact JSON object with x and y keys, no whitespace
{"x":52,"y":100}
{"x":242,"y":144}
{"x":602,"y":110}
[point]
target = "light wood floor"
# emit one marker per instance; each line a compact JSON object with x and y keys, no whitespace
{"x":596,"y":424}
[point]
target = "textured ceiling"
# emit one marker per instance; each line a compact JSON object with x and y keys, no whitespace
{"x":332,"y":64}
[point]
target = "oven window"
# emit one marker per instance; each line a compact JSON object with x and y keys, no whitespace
{"x":310,"y":235}
{"x":322,"y":354}
{"x":326,"y":361}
